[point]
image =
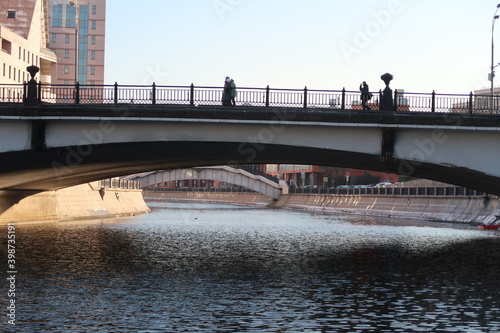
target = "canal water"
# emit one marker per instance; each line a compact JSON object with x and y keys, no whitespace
{"x":219,"y":268}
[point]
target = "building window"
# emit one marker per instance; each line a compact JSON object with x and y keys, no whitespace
{"x":11,"y":14}
{"x":54,"y":38}
{"x":6,"y":46}
{"x":93,"y":40}
{"x":57,"y":16}
{"x":92,"y":70}
{"x":66,"y":39}
{"x":94,"y":25}
{"x":66,"y":54}
{"x":94,"y":9}
{"x":92,"y":55}
{"x":66,"y":69}
{"x":70,"y":16}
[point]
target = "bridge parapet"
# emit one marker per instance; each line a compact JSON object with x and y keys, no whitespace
{"x":248,"y":97}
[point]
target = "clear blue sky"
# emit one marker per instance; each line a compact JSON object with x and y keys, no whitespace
{"x":427,"y":45}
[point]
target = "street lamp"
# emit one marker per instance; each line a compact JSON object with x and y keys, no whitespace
{"x":492,"y":74}
{"x":74,"y":5}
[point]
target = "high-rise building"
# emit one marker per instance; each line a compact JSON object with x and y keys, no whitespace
{"x":76,"y":35}
{"x":23,"y":38}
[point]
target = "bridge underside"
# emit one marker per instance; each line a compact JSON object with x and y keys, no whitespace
{"x":56,"y":168}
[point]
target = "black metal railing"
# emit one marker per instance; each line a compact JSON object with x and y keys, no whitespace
{"x":262,"y":97}
{"x":200,"y":189}
{"x":451,"y":191}
{"x":116,"y":183}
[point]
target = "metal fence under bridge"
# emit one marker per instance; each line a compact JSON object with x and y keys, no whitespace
{"x":260,"y":97}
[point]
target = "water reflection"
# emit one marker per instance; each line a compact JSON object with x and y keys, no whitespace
{"x":214,"y":268}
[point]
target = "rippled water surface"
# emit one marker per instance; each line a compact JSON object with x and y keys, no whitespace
{"x":216,"y":268}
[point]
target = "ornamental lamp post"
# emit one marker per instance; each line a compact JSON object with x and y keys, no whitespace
{"x":492,"y":73}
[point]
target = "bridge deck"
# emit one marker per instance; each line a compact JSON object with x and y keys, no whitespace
{"x":9,"y":110}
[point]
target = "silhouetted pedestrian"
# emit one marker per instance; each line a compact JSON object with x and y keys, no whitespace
{"x":365,"y":95}
{"x":232,"y":86}
{"x":226,"y":94}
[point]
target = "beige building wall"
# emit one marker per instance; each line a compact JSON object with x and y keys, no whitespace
{"x":23,"y":36}
{"x":484,"y":102}
{"x":89,"y":19}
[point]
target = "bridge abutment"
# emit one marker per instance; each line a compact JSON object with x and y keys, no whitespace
{"x":86,"y":201}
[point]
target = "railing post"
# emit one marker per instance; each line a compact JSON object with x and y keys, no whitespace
{"x":25,"y":90}
{"x":305,"y":97}
{"x":39,"y":92}
{"x":433,"y":102}
{"x":380,"y":96}
{"x":395,"y":100}
{"x":116,"y":93}
{"x":470,"y":102}
{"x":342,"y":105}
{"x":32,"y":91}
{"x":77,"y":93}
{"x":267,"y":96}
{"x":191,"y":97}
{"x":153,"y":94}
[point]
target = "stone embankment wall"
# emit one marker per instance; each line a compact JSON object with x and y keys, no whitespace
{"x":78,"y":202}
{"x":473,"y":210}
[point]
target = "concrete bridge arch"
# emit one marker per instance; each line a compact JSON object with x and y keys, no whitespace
{"x":219,"y":173}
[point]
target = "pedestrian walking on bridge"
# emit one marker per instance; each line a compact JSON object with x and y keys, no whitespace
{"x":366,"y":95}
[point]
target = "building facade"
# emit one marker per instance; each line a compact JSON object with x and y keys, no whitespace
{"x":23,"y":38}
{"x":77,"y":36}
{"x":320,"y":176}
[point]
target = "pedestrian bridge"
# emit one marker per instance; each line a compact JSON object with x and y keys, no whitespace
{"x":219,"y":173}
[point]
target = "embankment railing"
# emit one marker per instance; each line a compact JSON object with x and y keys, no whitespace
{"x":451,"y":191}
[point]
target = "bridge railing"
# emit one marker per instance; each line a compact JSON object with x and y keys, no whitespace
{"x":246,"y":96}
{"x":12,"y":93}
{"x":115,"y":183}
{"x":449,"y":191}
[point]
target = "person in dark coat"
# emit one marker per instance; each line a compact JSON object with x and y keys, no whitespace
{"x":365,"y":95}
{"x":226,"y":94}
{"x":233,"y":92}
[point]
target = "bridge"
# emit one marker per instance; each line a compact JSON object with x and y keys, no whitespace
{"x":72,"y":135}
{"x":219,"y":173}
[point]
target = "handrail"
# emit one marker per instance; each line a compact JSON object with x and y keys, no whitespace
{"x":304,"y":98}
{"x":429,"y":191}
